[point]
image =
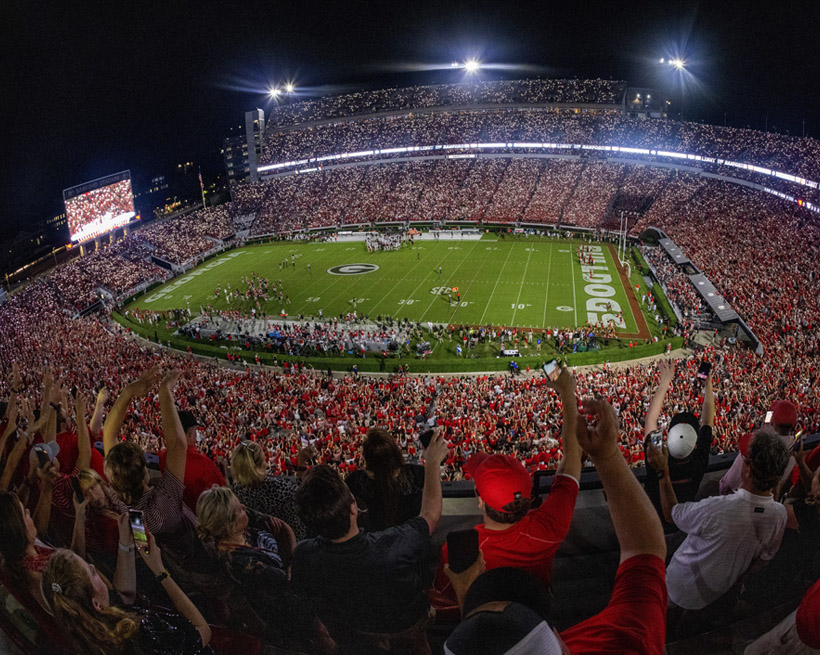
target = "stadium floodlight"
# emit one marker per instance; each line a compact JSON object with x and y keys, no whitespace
{"x":289,"y":88}
{"x":471,"y":65}
{"x":663,"y":60}
{"x":677,"y":63}
{"x":273,"y":92}
{"x":455,"y":64}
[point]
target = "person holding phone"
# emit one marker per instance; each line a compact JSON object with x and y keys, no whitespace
{"x":166,"y":516}
{"x":512,"y":534}
{"x":82,"y":603}
{"x":502,"y":607}
{"x":688,"y":439}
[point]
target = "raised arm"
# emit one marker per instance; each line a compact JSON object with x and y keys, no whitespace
{"x":11,"y":426}
{"x":83,"y":440}
{"x":172,"y":427}
{"x":182,"y":604}
{"x":666,"y":368}
{"x":137,"y":389}
{"x":707,"y":412}
{"x":16,"y":388}
{"x":658,"y":459}
{"x":434,"y":455}
{"x":571,"y":462}
{"x":42,"y":513}
{"x":637,"y":526}
{"x":99,"y":408}
{"x":125,"y":574}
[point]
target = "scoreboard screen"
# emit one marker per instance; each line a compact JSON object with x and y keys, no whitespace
{"x":99,"y":206}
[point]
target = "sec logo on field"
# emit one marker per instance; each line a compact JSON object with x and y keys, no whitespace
{"x":352,"y":269}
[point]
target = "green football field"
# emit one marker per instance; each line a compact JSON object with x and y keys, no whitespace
{"x":511,"y":282}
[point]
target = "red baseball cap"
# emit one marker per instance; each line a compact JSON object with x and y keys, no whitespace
{"x":743,"y":444}
{"x":499,"y":479}
{"x":784,"y":413}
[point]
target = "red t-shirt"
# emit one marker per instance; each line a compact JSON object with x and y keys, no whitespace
{"x":200,"y":474}
{"x":634,"y":621}
{"x":531,"y":543}
{"x":808,"y":617}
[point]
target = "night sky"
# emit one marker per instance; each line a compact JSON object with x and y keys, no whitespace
{"x":88,"y":91}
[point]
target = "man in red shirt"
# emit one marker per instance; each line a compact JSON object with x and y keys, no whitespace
{"x":506,"y":615}
{"x":200,"y":471}
{"x":512,"y":534}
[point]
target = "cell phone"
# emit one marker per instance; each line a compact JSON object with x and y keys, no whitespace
{"x":656,"y":438}
{"x":768,"y":417}
{"x":462,"y":549}
{"x":78,"y":490}
{"x":138,"y":528}
{"x":426,"y":437}
{"x":798,"y":441}
{"x":551,"y":370}
{"x":42,"y":458}
{"x":703,"y":371}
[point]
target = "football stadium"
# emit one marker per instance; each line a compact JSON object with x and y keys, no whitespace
{"x":483,"y":366}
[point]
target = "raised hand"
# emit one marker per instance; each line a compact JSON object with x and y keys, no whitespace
{"x":102,"y":396}
{"x":436,"y":450}
{"x":666,"y":369}
{"x":597,"y":429}
{"x":565,"y":383}
{"x":146,"y":381}
{"x":171,"y":378}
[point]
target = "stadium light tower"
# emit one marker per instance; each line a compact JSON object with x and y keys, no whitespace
{"x":273,"y":92}
{"x":289,"y":88}
{"x":472,"y":65}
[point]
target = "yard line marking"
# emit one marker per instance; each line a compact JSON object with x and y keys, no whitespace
{"x":526,"y":266}
{"x":547,"y":294}
{"x":468,"y":257}
{"x":410,"y":270}
{"x":466,"y":289}
{"x":492,"y":293}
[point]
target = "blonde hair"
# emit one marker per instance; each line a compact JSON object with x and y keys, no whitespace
{"x":248,"y":464}
{"x":216,"y":512}
{"x":88,"y":478}
{"x":68,"y":594}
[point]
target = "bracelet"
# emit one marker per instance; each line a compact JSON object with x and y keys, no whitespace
{"x":159,"y":577}
{"x":127,"y":549}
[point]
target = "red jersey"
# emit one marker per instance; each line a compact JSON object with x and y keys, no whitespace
{"x":200,"y":474}
{"x":531,"y":543}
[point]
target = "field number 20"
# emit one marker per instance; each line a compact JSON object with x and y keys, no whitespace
{"x":408,"y":301}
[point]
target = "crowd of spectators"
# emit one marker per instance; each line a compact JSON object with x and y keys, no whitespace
{"x":794,"y":155}
{"x":183,"y":238}
{"x":504,"y":92}
{"x":676,"y":284}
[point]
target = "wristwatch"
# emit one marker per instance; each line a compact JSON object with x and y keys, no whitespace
{"x":661,"y":475}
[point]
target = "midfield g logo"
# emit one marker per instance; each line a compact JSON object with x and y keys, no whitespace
{"x":353,"y":269}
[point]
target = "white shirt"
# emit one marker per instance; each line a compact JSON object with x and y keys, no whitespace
{"x":725,"y":535}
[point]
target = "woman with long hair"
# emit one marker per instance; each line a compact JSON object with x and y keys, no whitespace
{"x":81,"y":602}
{"x":274,"y":495}
{"x":388,"y":489}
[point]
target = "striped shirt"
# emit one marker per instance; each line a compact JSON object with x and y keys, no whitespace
{"x":725,"y":535}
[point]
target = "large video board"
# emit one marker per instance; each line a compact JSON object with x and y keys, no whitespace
{"x":99,"y":206}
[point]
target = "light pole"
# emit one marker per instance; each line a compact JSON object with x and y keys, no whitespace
{"x":679,"y":65}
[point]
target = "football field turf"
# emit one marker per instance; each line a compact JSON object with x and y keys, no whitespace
{"x":511,"y":282}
